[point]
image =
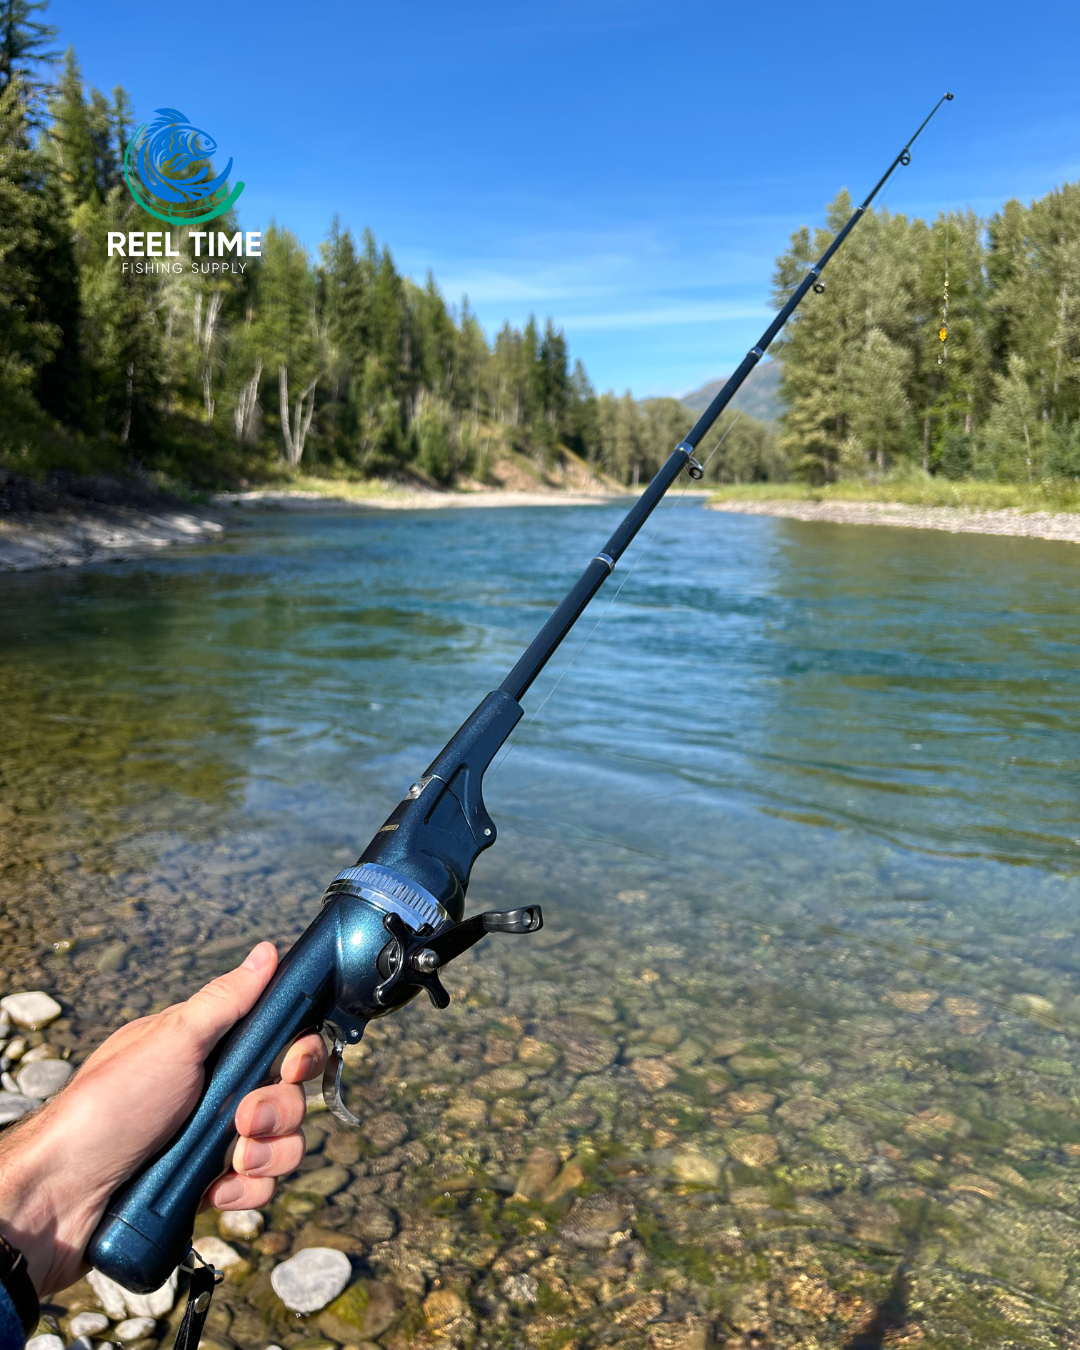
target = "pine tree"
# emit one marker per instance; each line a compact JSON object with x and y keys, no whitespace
{"x":24,"y":43}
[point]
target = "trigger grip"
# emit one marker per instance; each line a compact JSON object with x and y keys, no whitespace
{"x":331,"y":1086}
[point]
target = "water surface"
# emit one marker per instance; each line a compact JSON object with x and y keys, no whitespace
{"x":803,"y":816}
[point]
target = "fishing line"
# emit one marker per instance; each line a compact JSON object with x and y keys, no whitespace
{"x":661,"y":516}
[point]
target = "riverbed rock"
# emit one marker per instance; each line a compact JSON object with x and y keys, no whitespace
{"x":88,"y":1324}
{"x":696,"y":1168}
{"x":311,"y":1279}
{"x":44,"y":1077}
{"x":14,"y":1105}
{"x":244,"y":1225}
{"x":325,"y":1181}
{"x":443,"y":1307}
{"x":541,"y":1169}
{"x":593,"y":1220}
{"x":32,"y":1010}
{"x":45,"y":1342}
{"x":385,"y":1131}
{"x":653,"y":1074}
{"x":754,"y":1150}
{"x":218,"y":1253}
{"x":520,"y":1289}
{"x":365,"y":1310}
{"x":120,"y":1303}
{"x":134,"y":1328}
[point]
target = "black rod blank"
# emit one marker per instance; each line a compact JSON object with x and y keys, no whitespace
{"x":547,"y":641}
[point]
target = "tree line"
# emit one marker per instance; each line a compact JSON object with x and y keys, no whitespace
{"x":869,"y":384}
{"x":336,"y":363}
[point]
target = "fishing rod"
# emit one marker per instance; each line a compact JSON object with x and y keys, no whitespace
{"x":390,"y":923}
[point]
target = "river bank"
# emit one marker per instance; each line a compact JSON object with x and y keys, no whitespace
{"x":295,"y":499}
{"x":77,"y":520}
{"x":1058,"y":525}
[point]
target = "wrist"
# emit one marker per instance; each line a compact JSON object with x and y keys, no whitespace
{"x":32,"y":1177}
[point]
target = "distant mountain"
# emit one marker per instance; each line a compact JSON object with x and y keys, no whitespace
{"x":759,"y":397}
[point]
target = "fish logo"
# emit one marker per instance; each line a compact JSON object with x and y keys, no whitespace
{"x":168,"y":171}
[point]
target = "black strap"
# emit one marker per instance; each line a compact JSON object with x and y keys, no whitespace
{"x":15,"y":1278}
{"x":201,"y":1290}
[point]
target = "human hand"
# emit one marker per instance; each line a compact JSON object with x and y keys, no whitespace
{"x":59,"y":1166}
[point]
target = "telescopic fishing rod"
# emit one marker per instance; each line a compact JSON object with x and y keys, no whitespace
{"x":390,"y":923}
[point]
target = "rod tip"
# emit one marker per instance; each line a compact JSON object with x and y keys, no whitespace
{"x":949,"y":97}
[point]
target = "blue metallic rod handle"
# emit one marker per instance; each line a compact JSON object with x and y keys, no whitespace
{"x":146,"y":1230}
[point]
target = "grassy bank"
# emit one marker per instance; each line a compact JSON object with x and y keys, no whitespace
{"x":918,"y":490}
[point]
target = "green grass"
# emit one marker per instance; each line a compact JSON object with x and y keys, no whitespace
{"x":918,"y":489}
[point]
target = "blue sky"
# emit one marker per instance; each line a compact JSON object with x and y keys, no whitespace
{"x":631,"y":169}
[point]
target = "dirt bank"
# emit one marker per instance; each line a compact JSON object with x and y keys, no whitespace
{"x":955,"y":520}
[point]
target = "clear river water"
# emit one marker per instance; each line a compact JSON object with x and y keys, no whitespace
{"x":795,"y":1060}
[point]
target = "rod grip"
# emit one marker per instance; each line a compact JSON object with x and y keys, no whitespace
{"x":146,"y":1229}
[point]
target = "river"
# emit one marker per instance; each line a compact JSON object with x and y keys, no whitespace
{"x":798,"y":1042}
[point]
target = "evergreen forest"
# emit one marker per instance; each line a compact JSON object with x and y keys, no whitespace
{"x":339,"y":365}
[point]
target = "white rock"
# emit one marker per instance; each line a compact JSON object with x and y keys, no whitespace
{"x":521,"y":1289}
{"x":9,"y":1084}
{"x":135,"y":1328}
{"x":218,"y":1253}
{"x":88,"y":1324}
{"x":119,"y":1303}
{"x":110,"y":1293}
{"x":32,"y":1010}
{"x":44,"y":1077}
{"x":311,"y":1279}
{"x":156,"y":1304}
{"x":44,"y":1343}
{"x":14,"y":1104}
{"x":243,"y":1224}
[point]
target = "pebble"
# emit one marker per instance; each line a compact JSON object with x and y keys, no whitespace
{"x":134,"y":1328}
{"x":120,"y":1303}
{"x":593,"y":1219}
{"x":218,"y":1253}
{"x":15,"y":1049}
{"x":31,"y":1010}
{"x":691,"y":1166}
{"x":323,"y":1181}
{"x":242,"y":1224}
{"x":541,"y":1169}
{"x":385,"y":1131}
{"x":88,"y":1324}
{"x":521,"y":1289}
{"x":8,"y":1083}
{"x":45,"y":1051}
{"x":13,"y":1105}
{"x":47,"y":1342}
{"x":441,"y":1307}
{"x":311,"y":1279}
{"x":44,"y":1077}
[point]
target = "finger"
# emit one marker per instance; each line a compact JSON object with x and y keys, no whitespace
{"x":306,"y":1059}
{"x":276,"y":1109}
{"x":235,"y":1192}
{"x":208,"y":1014}
{"x":268,"y":1157}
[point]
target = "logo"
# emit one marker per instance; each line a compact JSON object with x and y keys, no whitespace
{"x":168,"y":171}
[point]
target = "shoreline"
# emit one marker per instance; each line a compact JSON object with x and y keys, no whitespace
{"x":1061,"y":527}
{"x":71,"y":538}
{"x":296,"y":499}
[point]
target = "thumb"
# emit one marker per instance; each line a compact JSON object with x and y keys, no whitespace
{"x":208,"y":1014}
